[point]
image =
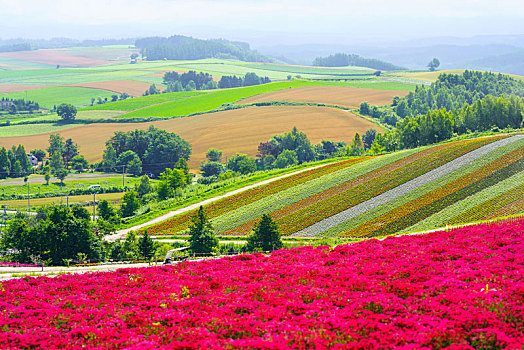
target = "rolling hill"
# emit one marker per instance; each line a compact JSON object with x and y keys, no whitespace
{"x":376,"y":196}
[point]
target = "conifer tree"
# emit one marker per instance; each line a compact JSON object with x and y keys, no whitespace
{"x":265,"y":236}
{"x":202,"y":235}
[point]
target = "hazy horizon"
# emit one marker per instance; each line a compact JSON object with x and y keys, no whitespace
{"x":261,"y":22}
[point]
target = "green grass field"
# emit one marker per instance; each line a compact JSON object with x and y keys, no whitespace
{"x":74,"y":181}
{"x":53,"y":96}
{"x":144,"y":101}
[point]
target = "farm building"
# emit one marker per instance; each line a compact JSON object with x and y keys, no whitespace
{"x":32,"y":159}
{"x":4,"y":104}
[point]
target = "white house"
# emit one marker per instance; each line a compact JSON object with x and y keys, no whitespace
{"x":32,"y":159}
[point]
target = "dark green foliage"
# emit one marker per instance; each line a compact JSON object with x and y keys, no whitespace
{"x":153,"y":90}
{"x":452,"y":91}
{"x":69,"y":151}
{"x":157,"y":149}
{"x":364,"y":108}
{"x":19,"y":105}
{"x":61,"y":174}
{"x":39,"y":154}
{"x":368,"y":138}
{"x":79,"y":163}
{"x":241,"y":163}
{"x":343,"y":60}
{"x":265,"y":236}
{"x":130,"y":204}
{"x":144,"y":187}
{"x":211,"y":169}
{"x":146,"y":246}
{"x":170,"y":181}
{"x":107,"y":212}
{"x":286,"y":159}
{"x":202,"y":236}
{"x":200,"y":80}
{"x":61,"y":234}
{"x":66,"y":111}
{"x":249,"y":79}
{"x":433,"y":64}
{"x":180,"y":47}
{"x":214,"y":155}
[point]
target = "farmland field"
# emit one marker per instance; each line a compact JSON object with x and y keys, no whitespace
{"x":341,"y":96}
{"x":48,"y":97}
{"x":231,"y":131}
{"x":53,"y":58}
{"x":131,"y":87}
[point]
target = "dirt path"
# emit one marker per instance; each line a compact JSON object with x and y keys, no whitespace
{"x":123,"y":233}
{"x":398,"y":191}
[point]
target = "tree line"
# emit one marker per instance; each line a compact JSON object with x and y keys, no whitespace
{"x":178,"y":47}
{"x":17,"y":105}
{"x":344,"y":60}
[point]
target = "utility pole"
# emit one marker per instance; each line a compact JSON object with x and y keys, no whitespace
{"x":28,"y":205}
{"x":94,"y":193}
{"x":123,"y":176}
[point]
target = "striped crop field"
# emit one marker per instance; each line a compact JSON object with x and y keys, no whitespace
{"x":382,"y":195}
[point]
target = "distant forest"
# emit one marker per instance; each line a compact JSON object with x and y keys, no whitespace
{"x":11,"y":45}
{"x":454,"y":104}
{"x":178,"y":47}
{"x":343,"y":60}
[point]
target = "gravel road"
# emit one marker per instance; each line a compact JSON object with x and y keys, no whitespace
{"x":398,"y":191}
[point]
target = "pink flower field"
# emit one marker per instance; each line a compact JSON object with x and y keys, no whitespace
{"x":461,"y":289}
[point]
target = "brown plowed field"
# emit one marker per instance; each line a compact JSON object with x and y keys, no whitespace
{"x":132,"y":87}
{"x":334,"y":95}
{"x":6,"y":88}
{"x":53,"y":57}
{"x":239,"y":130}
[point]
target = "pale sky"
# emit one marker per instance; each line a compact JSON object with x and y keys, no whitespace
{"x":242,"y":20}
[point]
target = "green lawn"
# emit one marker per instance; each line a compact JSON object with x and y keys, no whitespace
{"x":32,"y":129}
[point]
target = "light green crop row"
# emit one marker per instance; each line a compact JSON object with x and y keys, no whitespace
{"x":419,"y":192}
{"x":292,"y":195}
{"x":441,"y":218}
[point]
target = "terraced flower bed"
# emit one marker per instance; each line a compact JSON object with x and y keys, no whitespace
{"x":492,"y":208}
{"x":460,"y":289}
{"x":320,"y":208}
{"x":424,"y":206}
{"x":181,"y":222}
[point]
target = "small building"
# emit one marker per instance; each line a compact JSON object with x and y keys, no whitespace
{"x":5,"y":104}
{"x":32,"y":159}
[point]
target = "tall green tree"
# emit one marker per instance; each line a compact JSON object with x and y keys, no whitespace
{"x":69,"y":151}
{"x":130,"y":204}
{"x":56,"y":144}
{"x":214,"y":155}
{"x":146,"y":246}
{"x":265,"y":236}
{"x":109,"y":159}
{"x":170,"y":181}
{"x":66,"y":111}
{"x":202,"y":235}
{"x":5,"y":163}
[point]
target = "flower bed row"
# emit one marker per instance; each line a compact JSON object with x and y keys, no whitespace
{"x":410,"y":213}
{"x":321,"y":207}
{"x":420,"y":191}
{"x":515,"y":207}
{"x":490,"y":209}
{"x":15,"y":264}
{"x":181,"y":222}
{"x":284,"y":204}
{"x":461,"y":289}
{"x":451,"y":198}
